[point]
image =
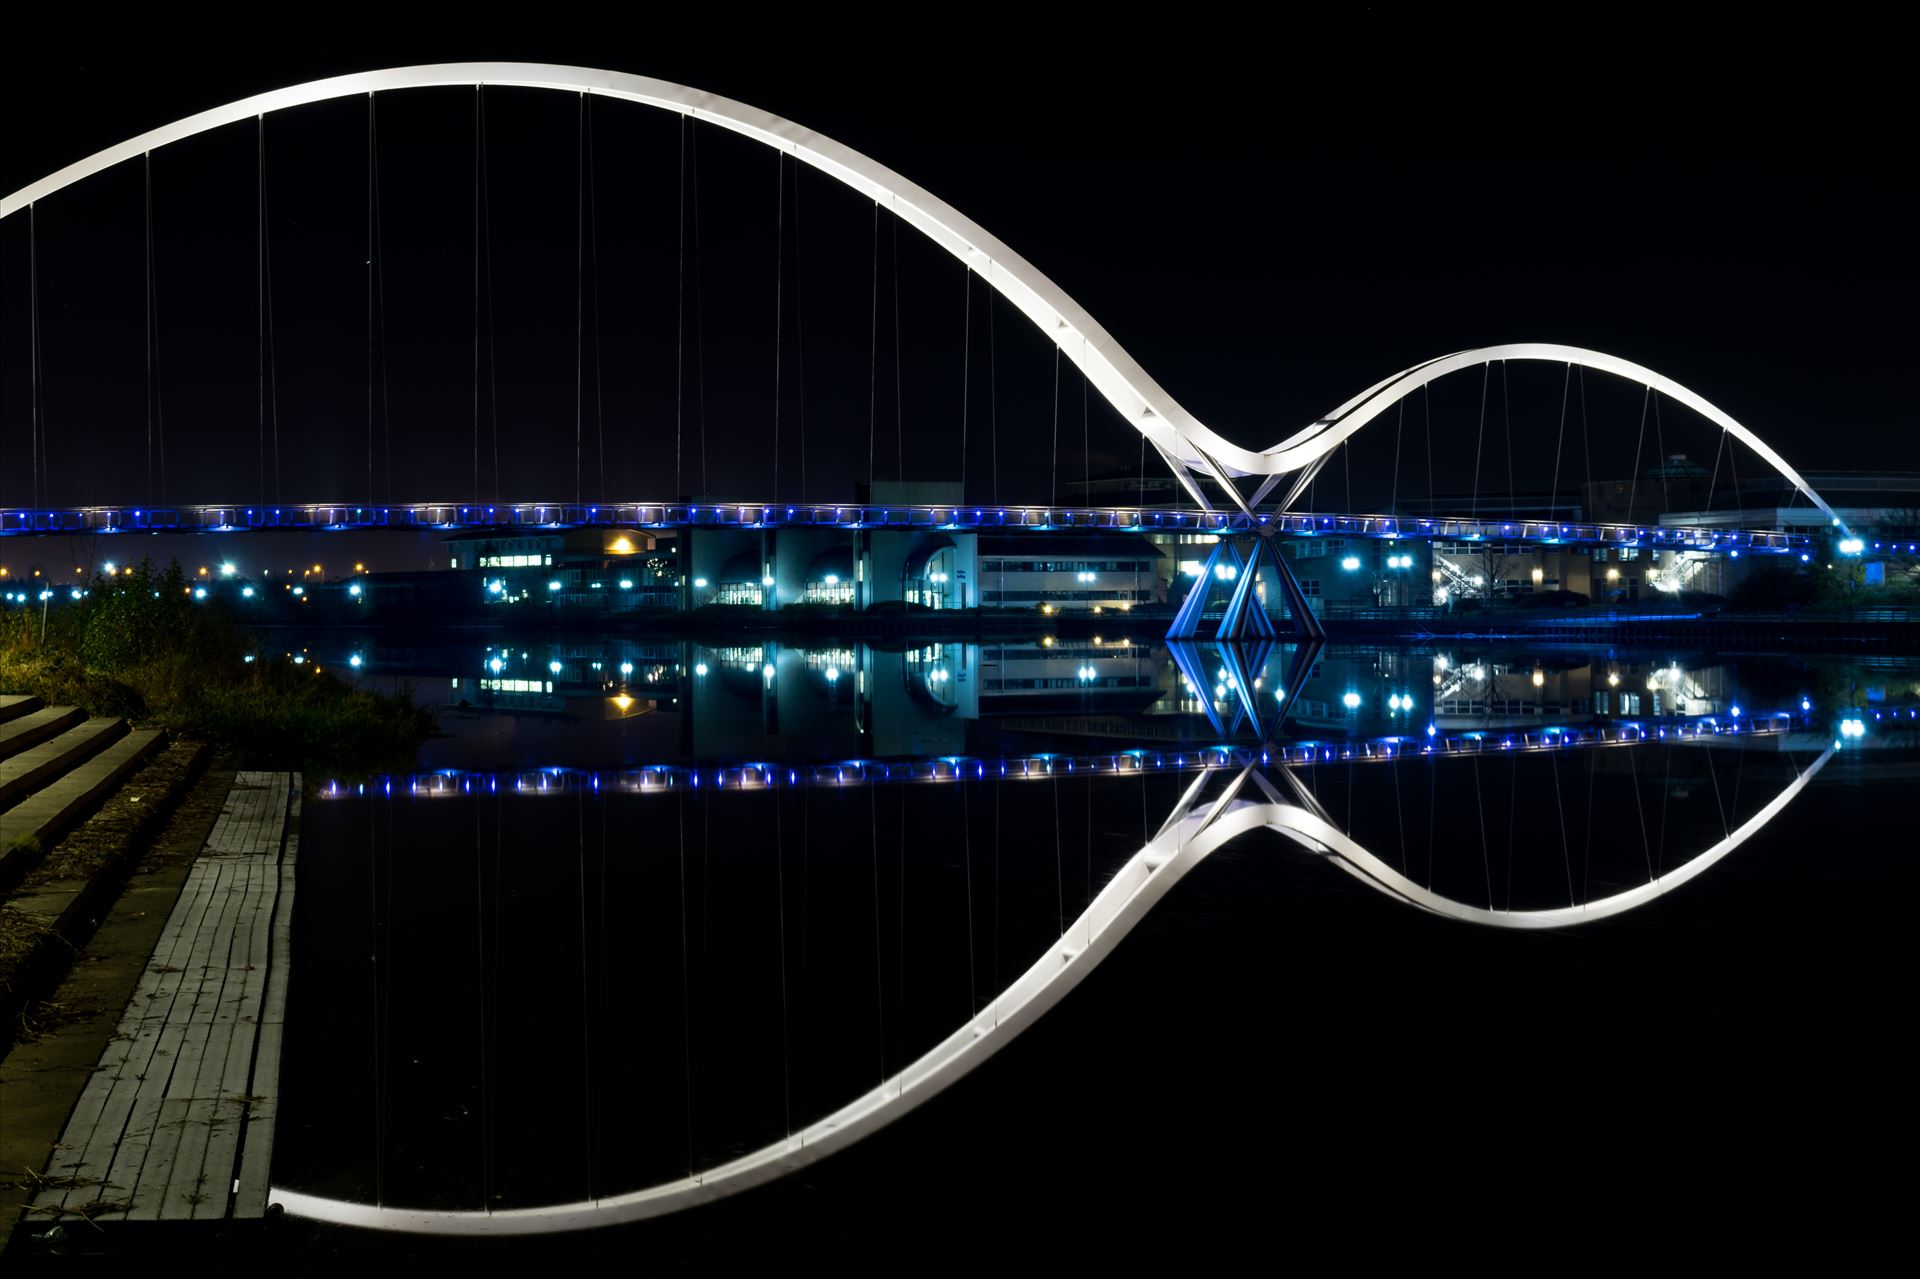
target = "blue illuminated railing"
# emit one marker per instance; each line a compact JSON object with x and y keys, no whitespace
{"x":656,"y":778}
{"x":18,"y":521}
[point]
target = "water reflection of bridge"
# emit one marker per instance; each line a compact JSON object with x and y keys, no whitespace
{"x":1228,"y":794}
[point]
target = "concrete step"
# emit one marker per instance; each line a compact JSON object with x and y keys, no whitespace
{"x":35,"y":727}
{"x":47,"y":814}
{"x":17,"y":704}
{"x":22,"y":774}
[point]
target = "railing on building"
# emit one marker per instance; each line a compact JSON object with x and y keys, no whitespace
{"x":532,"y":515}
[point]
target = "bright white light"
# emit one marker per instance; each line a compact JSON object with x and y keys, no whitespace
{"x":1736,"y":712}
{"x":494,"y":666}
{"x":833,"y":579}
{"x":833,"y":674}
{"x":495,"y":587}
{"x":626,"y":583}
{"x":554,"y":667}
{"x":226,"y":570}
{"x":767,"y":670}
{"x":298,"y":660}
{"x":354,"y":661}
{"x":199,"y":593}
{"x":1350,"y":563}
{"x":1350,"y":699}
{"x":767,"y":580}
{"x":354,"y":590}
{"x":626,"y":668}
{"x":700,"y":668}
{"x":554,"y":585}
{"x":700,"y":582}
{"x":1805,"y":705}
{"x":299,"y":590}
{"x":109,"y":567}
{"x":1852,"y":546}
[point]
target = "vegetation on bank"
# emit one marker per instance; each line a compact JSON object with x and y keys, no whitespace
{"x":140,"y":645}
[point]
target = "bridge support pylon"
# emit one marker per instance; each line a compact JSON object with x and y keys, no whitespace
{"x":1245,"y":617}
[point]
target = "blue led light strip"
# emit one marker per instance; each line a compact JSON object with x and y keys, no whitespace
{"x":655,"y":778}
{"x":18,"y":521}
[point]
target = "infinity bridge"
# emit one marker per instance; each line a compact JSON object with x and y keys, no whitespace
{"x":1196,"y":454}
{"x":1234,"y":792}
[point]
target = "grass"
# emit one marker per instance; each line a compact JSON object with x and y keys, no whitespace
{"x":139,"y":646}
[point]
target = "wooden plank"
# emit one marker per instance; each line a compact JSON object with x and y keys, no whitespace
{"x":252,"y":1185}
{"x":94,"y":1130}
{"x":168,"y":1123}
{"x":193,"y":1079}
{"x":226,"y":1106}
{"x":168,"y":1029}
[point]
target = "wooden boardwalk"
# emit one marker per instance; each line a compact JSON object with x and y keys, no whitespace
{"x":176,"y":1123}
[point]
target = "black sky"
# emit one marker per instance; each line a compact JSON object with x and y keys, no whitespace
{"x":1269,"y":212}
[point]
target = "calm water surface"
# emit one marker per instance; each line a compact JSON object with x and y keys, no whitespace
{"x":647,"y":906}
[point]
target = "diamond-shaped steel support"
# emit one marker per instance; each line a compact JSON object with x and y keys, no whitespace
{"x":1245,"y":617}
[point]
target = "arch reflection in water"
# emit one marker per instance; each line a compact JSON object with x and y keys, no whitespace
{"x":778,"y":972}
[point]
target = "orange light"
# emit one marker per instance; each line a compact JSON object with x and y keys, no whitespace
{"x":359,"y":568}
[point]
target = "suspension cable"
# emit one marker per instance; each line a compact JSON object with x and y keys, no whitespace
{"x":34,"y":430}
{"x":1586,"y":435}
{"x":993,"y":419}
{"x":1553,"y":494}
{"x":780,"y":889}
{"x":680,"y":328}
{"x":1506,"y":407}
{"x":593,"y":248}
{"x":779,"y":299}
{"x":370,"y":494}
{"x":579,"y":276}
{"x":873,"y":827}
{"x":1486,"y":372}
{"x":260,"y":289}
{"x":1633,"y":488}
{"x":1053,"y":486}
{"x":376,"y":298}
{"x":799,"y":333}
{"x":899,"y":393}
{"x":686,"y":1010}
{"x":873,"y":387}
{"x":699,"y":312}
{"x":966,"y":371}
{"x":147,"y":178}
{"x":493,"y":349}
{"x":476,"y":295}
{"x":156,"y":419}
{"x":1660,"y":438}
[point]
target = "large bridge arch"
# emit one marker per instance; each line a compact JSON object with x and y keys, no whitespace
{"x":1199,"y":826}
{"x":1186,"y":443}
{"x":1322,"y":437}
{"x":1116,"y":375}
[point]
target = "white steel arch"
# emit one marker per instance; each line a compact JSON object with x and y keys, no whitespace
{"x":1111,"y":371}
{"x":1197,"y":828}
{"x":1327,"y":434}
{"x":1186,"y":443}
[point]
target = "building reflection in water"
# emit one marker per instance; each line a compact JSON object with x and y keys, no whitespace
{"x":852,"y":700}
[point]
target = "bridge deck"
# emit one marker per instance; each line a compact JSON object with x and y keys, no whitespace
{"x":176,"y":1123}
{"x":449,"y":516}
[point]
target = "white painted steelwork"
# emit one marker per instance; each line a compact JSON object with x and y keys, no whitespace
{"x":1198,"y":827}
{"x":1188,"y":445}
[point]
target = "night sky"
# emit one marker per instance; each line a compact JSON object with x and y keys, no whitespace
{"x":1270,"y":214}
